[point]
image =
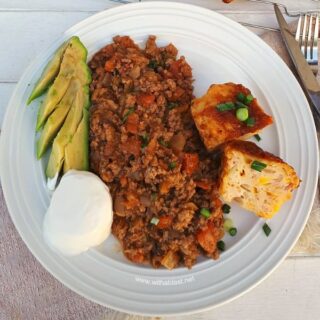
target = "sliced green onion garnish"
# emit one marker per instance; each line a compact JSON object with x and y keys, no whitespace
{"x":258,"y":138}
{"x":153,"y":64}
{"x":241,"y":97}
{"x":227,"y":224}
{"x":266,"y":229}
{"x":163,"y":142}
{"x":242,"y":114}
{"x":250,"y":122}
{"x":154,"y":221}
{"x":225,"y":106}
{"x":172,"y":165}
{"x":127,"y":114}
{"x":172,"y":105}
{"x":258,"y":166}
{"x":240,"y":105}
{"x":205,"y":212}
{"x":233,"y":231}
{"x":226,"y":208}
{"x":144,"y":140}
{"x":221,"y":245}
{"x":249,"y":98}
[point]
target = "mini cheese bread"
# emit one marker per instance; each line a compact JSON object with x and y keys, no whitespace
{"x":259,"y":181}
{"x":216,"y":126}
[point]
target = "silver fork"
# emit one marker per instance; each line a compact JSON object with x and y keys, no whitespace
{"x":307,"y":36}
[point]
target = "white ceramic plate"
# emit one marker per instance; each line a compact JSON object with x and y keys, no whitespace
{"x":219,"y":50}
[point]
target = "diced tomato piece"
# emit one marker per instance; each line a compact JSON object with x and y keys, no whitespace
{"x":164,"y":222}
{"x":207,"y":239}
{"x":109,"y":65}
{"x":203,"y":184}
{"x":132,"y":123}
{"x":190,"y":163}
{"x":145,"y":100}
{"x":132,"y":146}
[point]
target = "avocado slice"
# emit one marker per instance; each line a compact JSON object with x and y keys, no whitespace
{"x":66,"y":133}
{"x":57,"y":117}
{"x":48,"y":74}
{"x":72,"y":65}
{"x":76,"y":153}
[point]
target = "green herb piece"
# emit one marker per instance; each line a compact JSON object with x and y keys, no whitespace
{"x":242,"y":114}
{"x":226,"y":208}
{"x":172,"y":105}
{"x":266,"y":229}
{"x":205,"y":212}
{"x":250,"y":122}
{"x":233,"y":231}
{"x":172,"y":165}
{"x":225,"y":106}
{"x":221,"y":245}
{"x":258,"y":138}
{"x":258,"y":166}
{"x":240,"y":105}
{"x":162,"y":142}
{"x":227,"y":224}
{"x":241,"y":97}
{"x":153,"y":64}
{"x":144,"y":140}
{"x":154,"y":221}
{"x":249,"y":98}
{"x":127,"y":114}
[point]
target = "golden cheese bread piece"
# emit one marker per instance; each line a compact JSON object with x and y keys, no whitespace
{"x":216,"y":127}
{"x":259,"y":181}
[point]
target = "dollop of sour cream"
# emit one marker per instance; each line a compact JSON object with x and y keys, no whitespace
{"x":79,"y":215}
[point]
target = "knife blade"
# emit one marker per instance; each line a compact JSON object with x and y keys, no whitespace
{"x":305,"y":73}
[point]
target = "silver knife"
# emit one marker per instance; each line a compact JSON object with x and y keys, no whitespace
{"x":305,"y":73}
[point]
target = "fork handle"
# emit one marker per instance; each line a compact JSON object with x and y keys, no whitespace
{"x":315,"y":98}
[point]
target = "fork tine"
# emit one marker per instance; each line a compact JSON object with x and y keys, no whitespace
{"x":309,"y":38}
{"x":298,"y":33}
{"x":304,"y":36}
{"x":315,"y":41}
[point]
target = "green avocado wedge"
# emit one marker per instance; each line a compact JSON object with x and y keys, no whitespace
{"x":76,"y":154}
{"x":48,"y":74}
{"x":72,"y":65}
{"x":67,"y":132}
{"x":57,"y":117}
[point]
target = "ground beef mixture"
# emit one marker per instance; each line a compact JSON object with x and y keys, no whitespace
{"x":145,"y":147}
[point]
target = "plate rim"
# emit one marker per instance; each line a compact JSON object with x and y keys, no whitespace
{"x":6,"y":121}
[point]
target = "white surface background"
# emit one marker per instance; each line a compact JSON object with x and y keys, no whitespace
{"x":27,"y":26}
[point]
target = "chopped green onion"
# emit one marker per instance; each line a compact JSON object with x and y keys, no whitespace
{"x":249,"y":98}
{"x":227,"y":224}
{"x":205,"y":212}
{"x":258,"y":166}
{"x":154,"y":221}
{"x":266,"y":229}
{"x":144,"y":140}
{"x":172,"y":105}
{"x":153,"y":64}
{"x":233,"y":231}
{"x":242,"y":114}
{"x":225,"y":106}
{"x":163,"y":142}
{"x":258,"y":138}
{"x":241,"y":97}
{"x":250,"y":122}
{"x":154,"y":196}
{"x":127,"y":114}
{"x":240,"y":105}
{"x":221,"y":245}
{"x":226,"y":208}
{"x":172,"y":165}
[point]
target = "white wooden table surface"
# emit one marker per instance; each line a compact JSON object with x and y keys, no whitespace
{"x":27,"y":26}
